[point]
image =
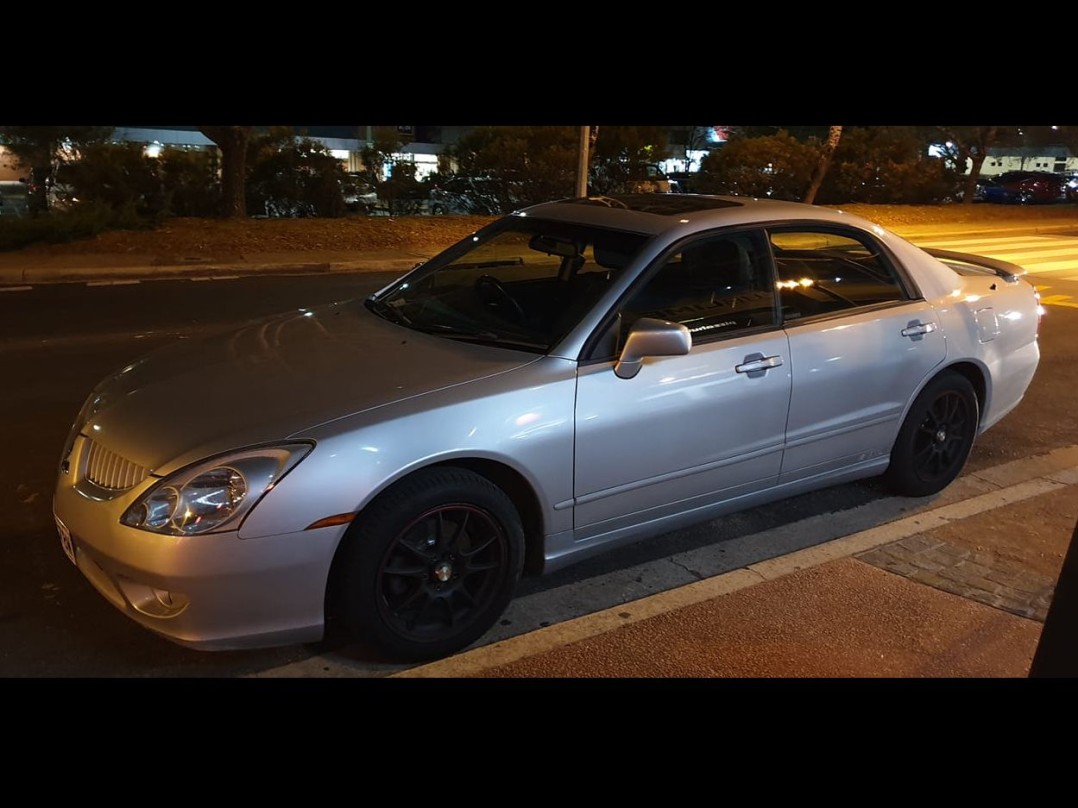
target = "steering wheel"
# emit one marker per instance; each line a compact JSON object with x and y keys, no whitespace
{"x":493,"y":291}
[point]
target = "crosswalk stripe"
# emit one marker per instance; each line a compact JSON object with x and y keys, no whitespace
{"x":1048,"y":241}
{"x":1050,"y":255}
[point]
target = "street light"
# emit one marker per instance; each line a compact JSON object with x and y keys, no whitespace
{"x":582,"y":164}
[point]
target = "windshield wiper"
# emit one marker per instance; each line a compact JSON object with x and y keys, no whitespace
{"x":386,"y":311}
{"x":478,"y":336}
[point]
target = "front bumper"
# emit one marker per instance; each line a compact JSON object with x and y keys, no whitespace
{"x":214,"y":591}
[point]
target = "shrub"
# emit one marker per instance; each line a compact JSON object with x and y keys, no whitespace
{"x":527,"y":164}
{"x":189,"y":179}
{"x":884,"y":165}
{"x":401,"y":192}
{"x":118,"y":176}
{"x":58,"y":227}
{"x":293,"y":176}
{"x":777,"y":166}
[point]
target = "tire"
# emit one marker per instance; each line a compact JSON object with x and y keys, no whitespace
{"x":430,"y":565}
{"x":936,"y":438}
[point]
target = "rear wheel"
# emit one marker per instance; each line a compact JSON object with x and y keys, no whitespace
{"x":431,"y":565}
{"x":936,"y":438}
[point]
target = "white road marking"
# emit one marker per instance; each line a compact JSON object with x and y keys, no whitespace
{"x":1032,"y":253}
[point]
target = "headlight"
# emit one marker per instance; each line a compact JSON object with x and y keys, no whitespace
{"x":215,"y":494}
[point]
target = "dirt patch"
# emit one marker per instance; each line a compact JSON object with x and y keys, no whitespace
{"x":220,"y":239}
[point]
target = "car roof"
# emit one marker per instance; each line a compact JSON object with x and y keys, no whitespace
{"x":653,"y":213}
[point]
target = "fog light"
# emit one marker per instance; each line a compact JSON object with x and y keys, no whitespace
{"x":152,"y":601}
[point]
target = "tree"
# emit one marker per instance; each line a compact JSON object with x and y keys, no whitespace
{"x":119,"y":177}
{"x":621,"y":154}
{"x":778,"y":166}
{"x":885,"y":165}
{"x":828,"y":151}
{"x":528,"y":164}
{"x":232,"y":142}
{"x":390,"y":174}
{"x":291,"y":175}
{"x":970,"y":144}
{"x":42,"y":149}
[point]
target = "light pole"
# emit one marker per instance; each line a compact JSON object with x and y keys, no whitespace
{"x":582,"y":164}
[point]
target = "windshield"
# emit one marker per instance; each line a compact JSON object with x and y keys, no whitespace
{"x":521,"y":283}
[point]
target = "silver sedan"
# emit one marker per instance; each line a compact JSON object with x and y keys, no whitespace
{"x":575,"y":376}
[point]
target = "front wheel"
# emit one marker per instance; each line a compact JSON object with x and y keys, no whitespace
{"x":936,"y":438}
{"x":431,"y":564}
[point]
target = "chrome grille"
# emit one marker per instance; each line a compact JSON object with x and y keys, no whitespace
{"x":108,"y":470}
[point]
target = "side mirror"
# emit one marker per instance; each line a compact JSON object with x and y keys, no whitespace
{"x":651,"y":337}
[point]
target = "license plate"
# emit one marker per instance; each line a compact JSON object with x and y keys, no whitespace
{"x":65,"y":541}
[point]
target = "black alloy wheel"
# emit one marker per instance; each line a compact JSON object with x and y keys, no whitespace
{"x":936,"y":438}
{"x":433,"y":565}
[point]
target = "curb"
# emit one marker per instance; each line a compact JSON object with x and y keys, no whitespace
{"x":31,"y":275}
{"x":1059,"y":476}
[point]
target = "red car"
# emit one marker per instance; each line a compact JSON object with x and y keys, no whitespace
{"x":1027,"y":187}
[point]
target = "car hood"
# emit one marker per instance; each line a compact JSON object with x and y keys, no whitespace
{"x":274,"y":379}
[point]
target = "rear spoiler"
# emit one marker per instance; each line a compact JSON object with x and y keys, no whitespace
{"x":1004,"y":269}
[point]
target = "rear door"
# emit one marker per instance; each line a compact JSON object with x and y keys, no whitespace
{"x":862,"y":340}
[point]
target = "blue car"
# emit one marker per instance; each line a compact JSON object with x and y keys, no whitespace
{"x":1027,"y":187}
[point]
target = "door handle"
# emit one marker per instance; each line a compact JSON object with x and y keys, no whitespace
{"x":918,"y":329}
{"x":759,"y":364}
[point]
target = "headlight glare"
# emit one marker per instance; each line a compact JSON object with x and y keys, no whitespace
{"x":209,"y":500}
{"x":156,"y":511}
{"x":212,"y":495}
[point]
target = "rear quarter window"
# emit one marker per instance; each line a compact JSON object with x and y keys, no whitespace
{"x":822,"y":272}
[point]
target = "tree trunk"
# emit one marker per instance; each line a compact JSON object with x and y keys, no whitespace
{"x":976,"y":160}
{"x":977,"y":155}
{"x":232,"y":141}
{"x":825,"y":162}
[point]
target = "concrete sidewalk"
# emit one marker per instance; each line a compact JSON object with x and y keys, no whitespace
{"x":959,"y":589}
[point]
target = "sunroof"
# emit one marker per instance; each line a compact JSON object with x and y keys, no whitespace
{"x":660,"y":204}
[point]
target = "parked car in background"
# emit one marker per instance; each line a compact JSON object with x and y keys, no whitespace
{"x":981,"y":183}
{"x":475,"y":196}
{"x":569,"y":378}
{"x":359,"y":197}
{"x":623,"y":178}
{"x":684,"y":182}
{"x":1027,"y":187}
{"x":53,"y":194}
{"x":1071,"y":188}
{"x":12,"y":198}
{"x":654,"y":180}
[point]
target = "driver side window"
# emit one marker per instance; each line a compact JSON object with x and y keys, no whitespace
{"x":715,"y":287}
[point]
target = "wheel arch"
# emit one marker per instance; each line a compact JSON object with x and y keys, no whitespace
{"x":976,"y":375}
{"x":505,"y":477}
